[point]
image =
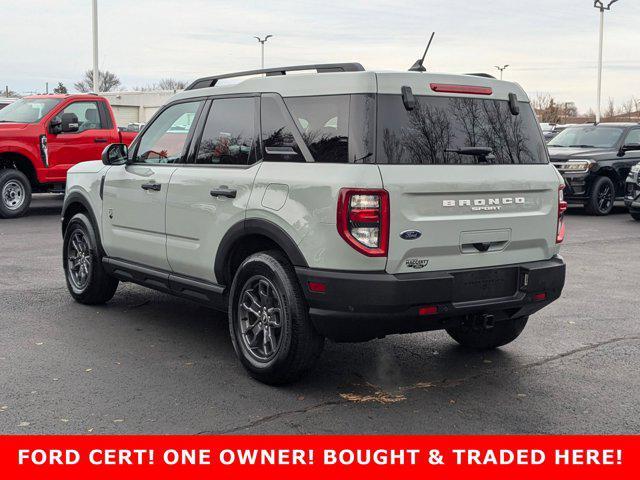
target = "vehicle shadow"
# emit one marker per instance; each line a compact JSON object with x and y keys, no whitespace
{"x":581,"y":212}
{"x":46,"y":204}
{"x":379,"y":371}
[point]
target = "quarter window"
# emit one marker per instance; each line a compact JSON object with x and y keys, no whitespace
{"x":87,"y":113}
{"x":324,"y":125}
{"x":164,"y":140}
{"x":228,"y":136}
{"x":277,"y":134}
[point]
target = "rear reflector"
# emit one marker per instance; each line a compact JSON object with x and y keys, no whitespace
{"x":538,"y":297}
{"x":562,"y":208}
{"x":470,"y":89}
{"x":317,"y":287}
{"x":428,"y":310}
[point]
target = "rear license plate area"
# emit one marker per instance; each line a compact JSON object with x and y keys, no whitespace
{"x":484,"y":284}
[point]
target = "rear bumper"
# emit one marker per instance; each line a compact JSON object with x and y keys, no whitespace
{"x":361,"y":306}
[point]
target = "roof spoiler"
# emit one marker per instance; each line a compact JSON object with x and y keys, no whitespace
{"x":206,"y":82}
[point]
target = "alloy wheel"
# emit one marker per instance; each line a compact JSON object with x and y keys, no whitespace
{"x":13,"y":194}
{"x":260,"y":318}
{"x":79,"y":261}
{"x":605,"y":197}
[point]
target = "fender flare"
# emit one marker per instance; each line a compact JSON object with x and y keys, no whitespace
{"x":77,"y":197}
{"x":256,"y":226}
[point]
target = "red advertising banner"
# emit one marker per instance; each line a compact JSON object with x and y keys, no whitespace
{"x":307,"y":457}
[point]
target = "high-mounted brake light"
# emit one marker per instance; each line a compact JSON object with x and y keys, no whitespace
{"x":363,"y":220}
{"x":470,"y":89}
{"x":562,"y":207}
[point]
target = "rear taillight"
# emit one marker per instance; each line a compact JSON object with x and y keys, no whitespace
{"x":562,"y":207}
{"x":363,"y":220}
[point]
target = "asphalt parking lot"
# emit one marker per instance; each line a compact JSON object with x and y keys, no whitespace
{"x":151,"y":363}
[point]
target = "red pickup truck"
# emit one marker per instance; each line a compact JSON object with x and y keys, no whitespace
{"x":42,"y":136}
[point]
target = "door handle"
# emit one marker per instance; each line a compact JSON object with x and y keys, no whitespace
{"x":224,"y":191}
{"x":151,"y":186}
{"x":100,"y":140}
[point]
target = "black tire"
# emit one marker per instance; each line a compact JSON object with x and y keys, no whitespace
{"x":602,"y":198}
{"x":15,"y":193}
{"x":297,"y":344}
{"x":635,"y":216}
{"x":98,"y":286}
{"x":503,"y":332}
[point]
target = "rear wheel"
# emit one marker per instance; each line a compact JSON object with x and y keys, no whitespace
{"x":87,"y":280}
{"x":15,"y":193}
{"x":482,"y":338}
{"x":636,"y":216}
{"x":269,"y":322}
{"x":603,"y":194}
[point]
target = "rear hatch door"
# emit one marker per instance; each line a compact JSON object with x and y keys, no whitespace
{"x":453,"y":210}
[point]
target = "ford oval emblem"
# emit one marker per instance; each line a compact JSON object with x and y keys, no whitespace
{"x":410,"y":234}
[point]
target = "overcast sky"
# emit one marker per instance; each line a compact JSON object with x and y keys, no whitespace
{"x":550,"y":45}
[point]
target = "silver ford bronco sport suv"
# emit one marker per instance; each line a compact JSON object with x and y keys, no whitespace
{"x":340,"y":203}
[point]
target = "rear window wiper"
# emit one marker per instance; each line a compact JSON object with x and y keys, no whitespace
{"x":475,"y":151}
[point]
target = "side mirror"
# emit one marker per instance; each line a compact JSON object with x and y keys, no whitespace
{"x":55,"y":125}
{"x":69,"y":122}
{"x":115,"y":154}
{"x":627,"y":147}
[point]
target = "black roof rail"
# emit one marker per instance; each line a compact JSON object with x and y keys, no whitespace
{"x":485,"y":75}
{"x":319,"y":68}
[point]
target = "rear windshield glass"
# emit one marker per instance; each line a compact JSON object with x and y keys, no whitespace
{"x":589,"y":136}
{"x":439,"y":129}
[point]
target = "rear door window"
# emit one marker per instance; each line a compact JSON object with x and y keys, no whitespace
{"x":435,"y":131}
{"x":228,"y":136}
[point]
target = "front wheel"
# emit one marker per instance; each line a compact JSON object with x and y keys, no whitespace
{"x":482,"y":338}
{"x":603,"y":194}
{"x":15,"y":193}
{"x":87,"y":280}
{"x":269,"y":322}
{"x":636,"y":216}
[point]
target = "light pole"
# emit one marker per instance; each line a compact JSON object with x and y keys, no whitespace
{"x":502,"y":69}
{"x":96,"y":75}
{"x":262,"y":42}
{"x":599,"y":5}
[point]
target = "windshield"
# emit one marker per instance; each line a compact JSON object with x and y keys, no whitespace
{"x":588,"y":137}
{"x":27,"y":110}
{"x":451,"y":131}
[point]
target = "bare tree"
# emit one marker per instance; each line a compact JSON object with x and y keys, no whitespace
{"x":107,"y":82}
{"x":164,"y":84}
{"x":546,"y":107}
{"x":7,"y":92}
{"x":171,"y":84}
{"x":628,"y":108}
{"x":610,"y":110}
{"x":60,"y":88}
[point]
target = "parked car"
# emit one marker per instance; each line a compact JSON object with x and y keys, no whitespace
{"x":6,"y":101}
{"x":595,"y":161}
{"x":346,"y":204}
{"x":548,"y":130}
{"x":632,"y":197}
{"x":42,"y":136}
